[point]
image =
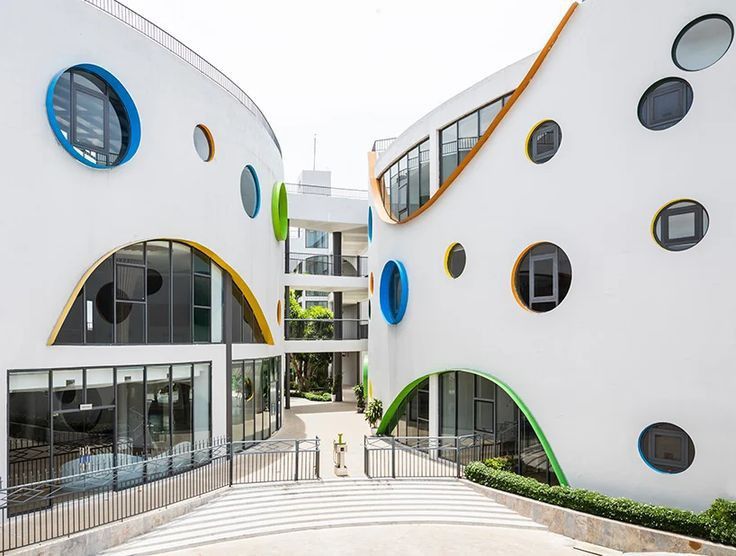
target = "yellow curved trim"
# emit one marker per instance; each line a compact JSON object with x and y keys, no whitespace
{"x":653,"y":226}
{"x":278,"y":312}
{"x":375,"y":184}
{"x":515,"y":269}
{"x":448,"y":251}
{"x":210,"y":141}
{"x":371,"y":284}
{"x":237,"y":279}
{"x":529,"y":137}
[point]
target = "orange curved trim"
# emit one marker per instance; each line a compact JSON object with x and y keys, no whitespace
{"x":237,"y":279}
{"x":375,"y":185}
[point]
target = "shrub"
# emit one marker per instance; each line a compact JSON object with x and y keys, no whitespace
{"x":717,"y":524}
{"x":502,"y":463}
{"x":312,"y":396}
{"x":359,"y":397}
{"x":374,"y":412}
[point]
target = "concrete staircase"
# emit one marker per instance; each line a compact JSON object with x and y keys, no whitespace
{"x":250,"y":511}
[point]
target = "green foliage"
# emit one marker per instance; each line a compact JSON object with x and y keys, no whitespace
{"x":313,"y":396}
{"x":359,"y":397}
{"x":717,"y":524}
{"x":309,"y":370}
{"x":503,"y":463}
{"x":374,"y":411}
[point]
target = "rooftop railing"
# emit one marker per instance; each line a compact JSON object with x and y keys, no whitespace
{"x":325,"y":265}
{"x":158,"y":35}
{"x":325,"y":191}
{"x":325,"y":329}
{"x":380,"y":145}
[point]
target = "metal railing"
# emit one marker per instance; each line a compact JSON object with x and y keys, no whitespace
{"x":380,"y":145}
{"x":158,"y":35}
{"x":398,"y":457}
{"x":325,"y":265}
{"x":45,"y":510}
{"x":326,"y":191}
{"x":325,"y":329}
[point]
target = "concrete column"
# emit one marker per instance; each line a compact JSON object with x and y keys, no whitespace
{"x":227,"y":336}
{"x":337,"y":311}
{"x":287,"y":249}
{"x":434,"y":405}
{"x":287,"y":382}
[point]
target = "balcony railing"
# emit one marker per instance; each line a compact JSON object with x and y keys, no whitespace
{"x":158,"y":35}
{"x":325,"y":329}
{"x":324,"y":265}
{"x":325,"y":191}
{"x":380,"y":145}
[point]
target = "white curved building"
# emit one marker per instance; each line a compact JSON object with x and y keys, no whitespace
{"x":589,"y":188}
{"x":147,"y":268}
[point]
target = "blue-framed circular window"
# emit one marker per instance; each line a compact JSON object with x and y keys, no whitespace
{"x":394,"y":291}
{"x":250,"y":191}
{"x":666,"y":448}
{"x":93,"y":116}
{"x":370,"y":224}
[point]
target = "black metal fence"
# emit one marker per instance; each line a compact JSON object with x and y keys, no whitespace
{"x":62,"y":506}
{"x":354,"y":266}
{"x":395,"y":457}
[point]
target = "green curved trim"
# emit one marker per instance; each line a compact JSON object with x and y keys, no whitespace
{"x":391,"y":415}
{"x":365,"y":375}
{"x":280,"y":211}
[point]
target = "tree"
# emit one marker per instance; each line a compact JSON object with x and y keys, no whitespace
{"x":310,"y":369}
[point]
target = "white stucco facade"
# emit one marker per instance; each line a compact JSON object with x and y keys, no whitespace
{"x":645,"y":335}
{"x":61,"y":216}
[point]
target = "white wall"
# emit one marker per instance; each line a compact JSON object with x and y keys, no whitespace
{"x":60,"y":216}
{"x":645,"y":335}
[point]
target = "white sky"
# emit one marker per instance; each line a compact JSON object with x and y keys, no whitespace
{"x":353,"y":71}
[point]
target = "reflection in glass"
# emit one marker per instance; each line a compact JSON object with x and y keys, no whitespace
{"x":131,"y":427}
{"x":249,"y":396}
{"x":202,"y":396}
{"x":236,"y":392}
{"x":158,"y":401}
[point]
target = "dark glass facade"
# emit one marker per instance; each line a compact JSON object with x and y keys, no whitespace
{"x":157,"y":292}
{"x":109,"y":415}
{"x":405,"y":185}
{"x":256,"y":398}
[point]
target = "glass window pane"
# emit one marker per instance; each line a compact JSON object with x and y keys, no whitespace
{"x":131,"y":323}
{"x":466,"y":392}
{"x":182,"y":284}
{"x":62,"y":103}
{"x":68,"y":388}
{"x":99,"y":387}
{"x":248,"y":394}
{"x":217,"y":308}
{"x":237,"y":315}
{"x":89,"y":119}
{"x":158,"y":291}
{"x":131,"y":254}
{"x":258,"y":399}
{"x":181,"y":407}
{"x":202,"y":324}
{"x":99,"y":305}
{"x":483,"y":416}
{"x":202,"y":291}
{"x":201,"y":262}
{"x":266,"y":390}
{"x":158,"y":417}
{"x":131,"y":283}
{"x":681,"y":225}
{"x":468,"y":126}
{"x":484,"y":389}
{"x":72,"y":331}
{"x":29,"y":433}
{"x":236,"y":393}
{"x":202,"y":410}
{"x":448,"y":399}
{"x":487,"y":114}
{"x":131,"y":423}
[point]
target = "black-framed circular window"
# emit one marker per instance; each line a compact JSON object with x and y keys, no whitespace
{"x":666,"y":448}
{"x":681,"y":225}
{"x":455,"y":260}
{"x":542,"y":277}
{"x":544,"y":141}
{"x":703,"y":42}
{"x":665,"y":103}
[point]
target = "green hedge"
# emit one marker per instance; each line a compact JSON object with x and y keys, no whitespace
{"x":313,"y":396}
{"x":717,"y":524}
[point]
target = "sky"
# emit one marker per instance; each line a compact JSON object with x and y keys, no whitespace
{"x":352,"y":71}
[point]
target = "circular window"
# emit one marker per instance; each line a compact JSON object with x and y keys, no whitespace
{"x":370,"y":284}
{"x":703,"y":42}
{"x":544,"y":141}
{"x":93,"y":116}
{"x":394,"y":292}
{"x":666,"y":447}
{"x":542,"y":277}
{"x":665,"y":103}
{"x":250,"y":191}
{"x":280,"y":211}
{"x":204,"y":143}
{"x":278,"y":311}
{"x":455,"y":260}
{"x":370,"y":224}
{"x":681,"y":225}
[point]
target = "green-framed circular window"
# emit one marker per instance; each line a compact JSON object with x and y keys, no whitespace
{"x":280,"y":211}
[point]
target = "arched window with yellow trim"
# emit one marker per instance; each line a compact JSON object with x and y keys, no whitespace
{"x":157,"y":292}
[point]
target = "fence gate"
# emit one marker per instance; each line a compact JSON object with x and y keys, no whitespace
{"x":264,"y":461}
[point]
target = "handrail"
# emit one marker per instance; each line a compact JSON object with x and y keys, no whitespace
{"x":326,"y":191}
{"x":323,"y":264}
{"x":161,"y":37}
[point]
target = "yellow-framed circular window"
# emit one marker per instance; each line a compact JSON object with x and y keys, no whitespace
{"x":455,"y":260}
{"x":278,"y":312}
{"x":371,"y":284}
{"x":541,"y":277}
{"x":543,"y":141}
{"x":680,"y":225}
{"x":204,"y":143}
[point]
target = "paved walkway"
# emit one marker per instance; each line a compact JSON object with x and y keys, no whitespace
{"x":308,"y":419}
